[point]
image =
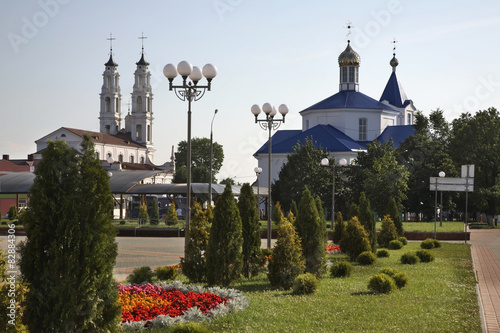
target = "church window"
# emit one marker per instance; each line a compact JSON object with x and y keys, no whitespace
{"x":109,"y":155}
{"x":120,"y":158}
{"x":138,"y":132}
{"x":409,"y":119}
{"x":362,"y":128}
{"x":351,"y":74}
{"x":97,"y":155}
{"x":142,"y":159}
{"x":107,"y":104}
{"x":344,"y":74}
{"x":131,"y":159}
{"x":139,"y":103}
{"x":148,"y":134}
{"x":117,"y":109}
{"x":107,"y":128}
{"x":108,"y":82}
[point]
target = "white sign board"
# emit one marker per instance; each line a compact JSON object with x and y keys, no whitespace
{"x":468,"y":171}
{"x":451,"y":184}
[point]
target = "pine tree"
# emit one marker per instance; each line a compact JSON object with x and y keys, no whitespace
{"x":311,"y":231}
{"x":338,"y":228}
{"x":287,"y":261}
{"x":388,"y":232}
{"x":278,"y":216}
{"x":70,"y":250}
{"x":294,"y":209}
{"x":194,"y":265}
{"x":247,"y":205}
{"x":393,"y":211}
{"x":143,"y":214}
{"x":171,"y":217}
{"x":353,"y":211}
{"x":354,"y":239}
{"x":155,"y":211}
{"x":367,"y":219}
{"x":224,"y":253}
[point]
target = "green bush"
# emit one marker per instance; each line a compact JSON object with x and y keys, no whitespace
{"x":401,"y":279}
{"x":403,"y":240}
{"x":381,"y":283}
{"x":425,"y":256}
{"x":122,"y":222}
{"x":191,"y":327}
{"x":305,"y":284}
{"x":394,"y":245}
{"x":410,"y":258}
{"x":341,"y":269}
{"x":366,"y":258}
{"x":383,"y":253}
{"x":437,"y":244}
{"x":140,"y":275}
{"x":167,"y":273}
{"x":388,"y":271}
{"x":354,"y":239}
{"x":13,"y":213}
{"x":388,"y":232}
{"x":428,"y":244}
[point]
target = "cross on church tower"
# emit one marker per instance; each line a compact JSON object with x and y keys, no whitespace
{"x":111,"y":39}
{"x":143,"y":38}
{"x":394,"y":47}
{"x":348,"y":27}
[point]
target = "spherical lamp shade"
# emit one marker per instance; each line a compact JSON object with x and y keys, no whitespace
{"x":267,"y":108}
{"x":283,"y":109}
{"x":255,"y":110}
{"x":196,"y":74}
{"x":273,"y":112}
{"x":209,"y":71}
{"x":325,"y":162}
{"x":110,"y":160}
{"x":170,"y":71}
{"x":343,"y":162}
{"x":257,"y":170}
{"x":441,"y":174}
{"x":184,"y":68}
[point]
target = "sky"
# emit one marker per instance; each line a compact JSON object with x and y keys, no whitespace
{"x":53,"y":54}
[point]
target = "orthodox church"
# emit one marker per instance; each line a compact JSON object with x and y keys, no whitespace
{"x":129,"y":146}
{"x":347,"y":121}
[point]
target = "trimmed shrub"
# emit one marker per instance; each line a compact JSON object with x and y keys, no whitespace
{"x":401,"y":279}
{"x":425,"y":256}
{"x":388,"y":232}
{"x":367,"y":219}
{"x":366,"y":258}
{"x":140,"y":275}
{"x":338,"y":228}
{"x":167,"y":272}
{"x":393,"y":211}
{"x":341,"y":269}
{"x":394,"y":245}
{"x":13,"y":213}
{"x":437,"y":244}
{"x":383,"y":253}
{"x":403,"y":240}
{"x":427,"y":244}
{"x":305,"y":284}
{"x":381,"y":283}
{"x":354,"y":239}
{"x":388,"y":271}
{"x":122,"y":222}
{"x":410,"y":258}
{"x":191,"y":327}
{"x":171,"y":217}
{"x":247,"y":205}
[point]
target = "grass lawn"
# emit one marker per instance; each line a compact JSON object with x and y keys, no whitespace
{"x":440,"y":297}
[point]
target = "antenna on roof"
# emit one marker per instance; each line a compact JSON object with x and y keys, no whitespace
{"x":348,"y":27}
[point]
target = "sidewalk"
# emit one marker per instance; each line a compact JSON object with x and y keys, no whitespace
{"x":485,"y":248}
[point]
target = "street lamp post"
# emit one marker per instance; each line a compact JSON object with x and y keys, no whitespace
{"x":325,"y":162}
{"x":441,"y":174}
{"x":211,"y":154}
{"x":190,"y":92}
{"x":269,"y":123}
{"x":258,"y":171}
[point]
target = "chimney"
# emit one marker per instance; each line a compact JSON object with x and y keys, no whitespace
{"x":5,"y":157}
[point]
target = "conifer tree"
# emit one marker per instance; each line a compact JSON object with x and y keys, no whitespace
{"x":171,"y":217}
{"x":287,"y":261}
{"x":247,"y":205}
{"x":155,"y":211}
{"x":338,"y":228}
{"x":388,"y":232}
{"x":354,"y":239}
{"x":393,"y":211}
{"x":367,"y":219}
{"x":294,"y":209}
{"x":353,"y":211}
{"x":224,"y":253}
{"x":194,"y":265}
{"x":311,"y":231}
{"x":70,"y":249}
{"x":143,"y":214}
{"x":278,"y":216}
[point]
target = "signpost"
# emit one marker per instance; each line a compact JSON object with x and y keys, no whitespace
{"x":463,"y":184}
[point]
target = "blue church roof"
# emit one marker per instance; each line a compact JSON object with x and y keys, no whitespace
{"x":327,"y":136}
{"x":349,"y":99}
{"x":394,"y":93}
{"x":398,"y":134}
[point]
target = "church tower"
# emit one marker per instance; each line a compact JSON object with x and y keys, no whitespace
{"x":110,"y":116}
{"x":349,"y":69}
{"x":140,"y":122}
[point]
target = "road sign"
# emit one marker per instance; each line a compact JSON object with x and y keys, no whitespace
{"x":451,"y":184}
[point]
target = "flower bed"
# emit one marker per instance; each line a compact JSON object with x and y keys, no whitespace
{"x":332,"y":249}
{"x":166,"y":304}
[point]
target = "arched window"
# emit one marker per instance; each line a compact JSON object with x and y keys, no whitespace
{"x":107,"y":128}
{"x":120,"y":158}
{"x":108,"y":82}
{"x":139,"y":103}
{"x":142,"y":159}
{"x":131,"y":159}
{"x":107,"y":104}
{"x":362,"y":128}
{"x":138,"y":132}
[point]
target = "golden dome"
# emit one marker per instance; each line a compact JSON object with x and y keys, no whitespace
{"x":349,"y":57}
{"x":394,"y":62}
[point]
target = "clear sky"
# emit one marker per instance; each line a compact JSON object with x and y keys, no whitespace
{"x":53,"y":54}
